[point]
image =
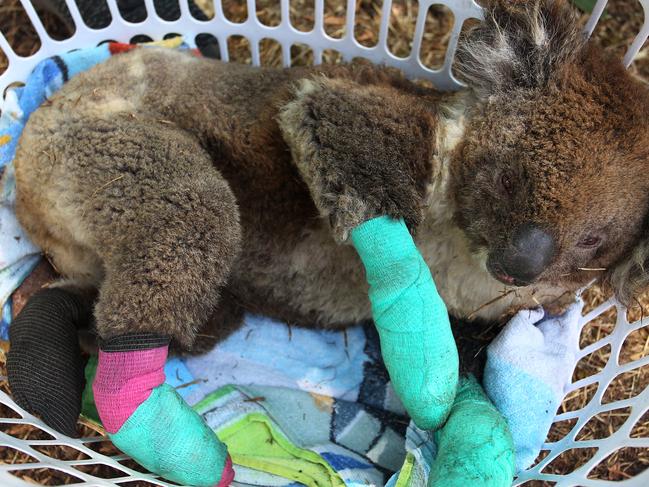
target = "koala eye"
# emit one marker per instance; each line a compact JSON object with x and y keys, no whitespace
{"x":590,"y":242}
{"x":507,"y":183}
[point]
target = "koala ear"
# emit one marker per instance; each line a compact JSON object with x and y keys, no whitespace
{"x":519,"y":45}
{"x":631,"y":276}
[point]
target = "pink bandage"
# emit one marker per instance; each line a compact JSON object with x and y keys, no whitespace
{"x":228,"y":473}
{"x":124,"y":380}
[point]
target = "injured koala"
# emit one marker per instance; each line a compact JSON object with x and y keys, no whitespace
{"x":187,"y":190}
{"x":183,"y":192}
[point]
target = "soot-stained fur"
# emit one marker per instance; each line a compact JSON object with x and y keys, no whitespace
{"x":189,"y":191}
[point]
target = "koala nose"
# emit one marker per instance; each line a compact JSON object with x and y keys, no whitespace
{"x":528,"y":255}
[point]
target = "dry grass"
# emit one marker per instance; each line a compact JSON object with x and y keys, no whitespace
{"x":618,"y":27}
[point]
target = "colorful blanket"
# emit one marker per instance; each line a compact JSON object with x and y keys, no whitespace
{"x":296,"y":406}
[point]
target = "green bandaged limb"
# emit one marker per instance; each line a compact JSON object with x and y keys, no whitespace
{"x":416,"y":339}
{"x":475,"y":446}
{"x":169,"y":438}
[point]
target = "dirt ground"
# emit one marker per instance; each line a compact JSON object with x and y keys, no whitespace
{"x":620,"y":23}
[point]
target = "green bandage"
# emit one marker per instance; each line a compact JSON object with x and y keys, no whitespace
{"x":416,"y":339}
{"x":475,"y":447}
{"x":169,"y":438}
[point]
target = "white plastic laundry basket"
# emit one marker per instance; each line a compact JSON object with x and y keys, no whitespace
{"x":287,"y":35}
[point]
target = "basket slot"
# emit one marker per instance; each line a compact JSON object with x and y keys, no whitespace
{"x":36,"y":22}
{"x":594,"y":347}
{"x":437,"y":34}
{"x":394,"y":47}
{"x":301,"y":22}
{"x":269,"y":49}
{"x":22,"y":17}
{"x":590,"y":316}
{"x":268,"y":13}
{"x":7,"y":50}
{"x":239,"y":48}
{"x":301,"y":55}
{"x":332,"y":56}
{"x":333,"y":30}
{"x":135,"y":16}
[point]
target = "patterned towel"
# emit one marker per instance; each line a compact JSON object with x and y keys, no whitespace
{"x":318,"y":412}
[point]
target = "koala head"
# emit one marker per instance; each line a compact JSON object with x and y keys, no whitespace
{"x":551,"y":178}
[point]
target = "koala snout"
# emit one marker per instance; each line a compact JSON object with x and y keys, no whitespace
{"x":524,"y":259}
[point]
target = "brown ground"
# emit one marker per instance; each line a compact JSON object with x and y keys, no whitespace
{"x":622,"y":20}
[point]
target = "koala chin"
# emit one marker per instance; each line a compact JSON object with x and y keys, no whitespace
{"x":187,"y":191}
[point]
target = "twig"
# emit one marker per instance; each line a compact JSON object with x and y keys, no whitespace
{"x":488,"y":303}
{"x":255,"y":399}
{"x":94,"y":193}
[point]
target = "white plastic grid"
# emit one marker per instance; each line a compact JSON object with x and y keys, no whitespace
{"x":317,"y":39}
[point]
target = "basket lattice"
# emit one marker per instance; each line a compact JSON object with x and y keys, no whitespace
{"x":287,"y":35}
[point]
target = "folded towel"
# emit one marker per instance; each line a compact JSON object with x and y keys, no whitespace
{"x":529,"y":366}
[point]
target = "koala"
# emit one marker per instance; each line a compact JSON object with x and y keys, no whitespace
{"x":185,"y":191}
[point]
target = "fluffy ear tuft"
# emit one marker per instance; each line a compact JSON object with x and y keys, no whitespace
{"x":519,"y":45}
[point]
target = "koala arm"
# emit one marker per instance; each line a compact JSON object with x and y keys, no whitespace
{"x":363,"y":150}
{"x":366,"y":154}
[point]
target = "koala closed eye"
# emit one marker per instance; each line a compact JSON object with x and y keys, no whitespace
{"x":590,"y":242}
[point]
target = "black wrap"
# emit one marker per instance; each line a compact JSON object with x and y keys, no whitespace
{"x":134,"y":341}
{"x":44,"y":363}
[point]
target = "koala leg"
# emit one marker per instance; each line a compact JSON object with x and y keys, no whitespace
{"x":137,"y":209}
{"x":167,"y":244}
{"x":144,"y":198}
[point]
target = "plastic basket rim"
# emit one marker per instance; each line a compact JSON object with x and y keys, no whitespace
{"x":219,"y":26}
